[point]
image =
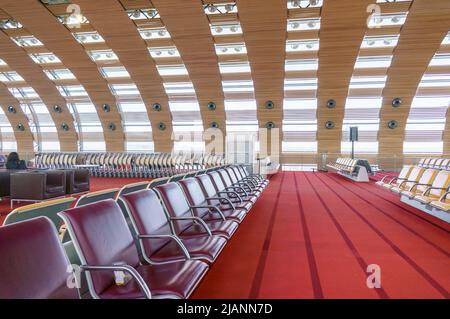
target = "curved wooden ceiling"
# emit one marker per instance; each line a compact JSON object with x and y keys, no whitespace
{"x":343,"y":29}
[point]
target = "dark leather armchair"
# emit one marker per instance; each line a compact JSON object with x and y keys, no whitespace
{"x":37,"y":185}
{"x":77,"y":181}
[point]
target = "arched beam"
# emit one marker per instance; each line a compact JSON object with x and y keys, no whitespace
{"x":265,"y":38}
{"x":37,"y":19}
{"x":446,"y":134}
{"x":19,"y":61}
{"x":421,"y":36}
{"x":105,"y":16}
{"x":24,"y":138}
{"x":343,"y":26}
{"x":190,"y":31}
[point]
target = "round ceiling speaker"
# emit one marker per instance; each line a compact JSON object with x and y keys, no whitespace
{"x":64,"y":127}
{"x":396,"y":102}
{"x":215,"y":125}
{"x":331,"y":104}
{"x":106,"y":108}
{"x":270,"y":105}
{"x":157,"y":107}
{"x":162,"y":126}
{"x":57,"y":108}
{"x":112,"y":126}
{"x":211,"y":106}
{"x":20,"y":127}
{"x":329,"y":125}
{"x":392,"y":124}
{"x":12,"y":109}
{"x":270,"y":125}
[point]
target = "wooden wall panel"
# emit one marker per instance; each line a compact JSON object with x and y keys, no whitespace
{"x":19,"y":60}
{"x":264,"y":26}
{"x":189,"y":27}
{"x":36,"y":18}
{"x":343,"y":26}
{"x":446,"y":134}
{"x":24,"y":138}
{"x":121,"y":35}
{"x":421,"y":36}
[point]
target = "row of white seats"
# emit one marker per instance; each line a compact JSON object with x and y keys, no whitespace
{"x":437,"y":163}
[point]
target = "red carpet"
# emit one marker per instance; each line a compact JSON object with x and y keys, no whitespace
{"x":96,"y":184}
{"x":312,"y":235}
{"x":379,"y":176}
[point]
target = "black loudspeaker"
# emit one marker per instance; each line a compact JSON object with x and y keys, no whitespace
{"x":353,"y":134}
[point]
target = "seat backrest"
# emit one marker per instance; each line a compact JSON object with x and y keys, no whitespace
{"x":217,"y":181}
{"x":148,"y":218}
{"x":225,"y":177}
{"x":441,"y":183}
{"x":129,"y":188}
{"x":97,"y":196}
{"x":231,"y":174}
{"x":33,"y":264}
{"x":414,"y":176}
{"x":207,"y":185}
{"x":101,"y":237}
{"x":427,"y":178}
{"x":195,"y":195}
{"x":426,"y":161}
{"x":438,"y":162}
{"x":406,"y":170}
{"x":432,"y":162}
{"x":158,"y":181}
{"x":421,"y":161}
{"x":445,"y":163}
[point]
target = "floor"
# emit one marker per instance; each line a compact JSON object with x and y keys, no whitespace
{"x":312,"y":235}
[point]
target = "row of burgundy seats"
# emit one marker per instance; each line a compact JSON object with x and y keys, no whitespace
{"x":179,"y":228}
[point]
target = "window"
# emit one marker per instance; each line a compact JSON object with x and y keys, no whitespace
{"x":302,"y":65}
{"x":178,"y":69}
{"x":24,"y":93}
{"x":72,"y":90}
{"x":115,"y":72}
{"x":59,"y":74}
{"x":234,"y":67}
{"x":124,"y":89}
{"x":300,"y":84}
{"x":373,"y":62}
{"x":11,"y":76}
{"x":367,"y":82}
{"x":440,"y":59}
{"x":237,"y":86}
{"x":10,"y":24}
{"x":179,"y":88}
{"x":435,"y":80}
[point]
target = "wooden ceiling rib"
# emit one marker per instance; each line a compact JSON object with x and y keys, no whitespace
{"x":264,"y":26}
{"x":121,"y":35}
{"x":24,"y":138}
{"x":36,"y":18}
{"x":189,"y":28}
{"x":343,"y":26}
{"x":421,"y":36}
{"x":19,"y":61}
{"x":446,"y":134}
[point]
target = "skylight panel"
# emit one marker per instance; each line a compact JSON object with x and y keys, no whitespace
{"x":440,"y":59}
{"x":364,"y":103}
{"x":446,"y":39}
{"x":24,"y":93}
{"x":303,"y":24}
{"x":154,"y":33}
{"x":124,"y":89}
{"x":27,"y":41}
{"x":226,"y":29}
{"x":302,"y":65}
{"x":234,"y":67}
{"x":140,"y":14}
{"x":88,"y":37}
{"x":300,"y":84}
{"x":237,"y":86}
{"x":2,"y":62}
{"x":10,"y":76}
{"x":115,"y":72}
{"x":164,"y":52}
{"x":179,"y":88}
{"x":72,"y":90}
{"x":240,"y":105}
{"x":383,"y":20}
{"x":367,"y":82}
{"x":59,"y":74}
{"x":373,"y":62}
{"x":43,"y":58}
{"x":304,"y":45}
{"x":228,"y":49}
{"x":303,"y":4}
{"x":102,"y":55}
{"x":296,"y":104}
{"x":178,"y":69}
{"x":73,"y":20}
{"x":380,"y":42}
{"x":426,"y":102}
{"x":435,"y":80}
{"x":184,"y":106}
{"x":220,"y":8}
{"x":10,"y":24}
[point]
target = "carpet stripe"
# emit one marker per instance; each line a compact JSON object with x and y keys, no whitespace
{"x":393,"y":218}
{"x":380,"y":291}
{"x":318,"y":292}
{"x":400,"y":252}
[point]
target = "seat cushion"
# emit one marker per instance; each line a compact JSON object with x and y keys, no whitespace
{"x":237,"y":215}
{"x":173,"y":280}
{"x":426,"y":199}
{"x":445,"y":206}
{"x":223,"y":228}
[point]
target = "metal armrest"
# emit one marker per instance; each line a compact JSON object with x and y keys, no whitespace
{"x":197,"y":219}
{"x":427,"y":191}
{"x":233,"y":193}
{"x":127,"y":268}
{"x":176,"y":239}
{"x":444,"y":197}
{"x":229,"y":202}
{"x":404,"y":182}
{"x":217,"y":209}
{"x":418,"y":184}
{"x":237,"y":188}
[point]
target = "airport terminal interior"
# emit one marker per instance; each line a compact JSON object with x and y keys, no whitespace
{"x":215,"y":149}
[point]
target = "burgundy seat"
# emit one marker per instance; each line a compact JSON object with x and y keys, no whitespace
{"x":241,"y":174}
{"x":33,"y":264}
{"x":225,"y":199}
{"x":161,"y":243}
{"x":204,"y":208}
{"x":221,"y":186}
{"x":104,"y":244}
{"x":246,"y":184}
{"x":183,"y":218}
{"x":256,"y":177}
